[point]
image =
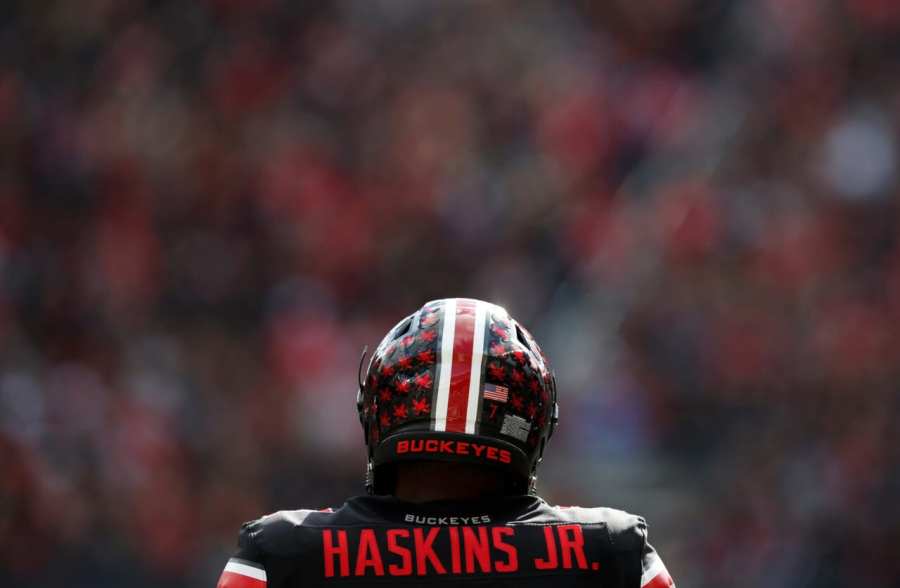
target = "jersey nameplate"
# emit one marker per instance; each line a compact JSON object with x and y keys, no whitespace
{"x":453,"y":550}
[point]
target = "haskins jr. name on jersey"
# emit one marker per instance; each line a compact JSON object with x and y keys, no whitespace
{"x":464,"y":549}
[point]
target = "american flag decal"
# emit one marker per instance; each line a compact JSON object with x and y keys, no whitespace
{"x":496,"y":393}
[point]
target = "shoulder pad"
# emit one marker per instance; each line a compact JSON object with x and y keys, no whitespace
{"x":280,"y":533}
{"x":625,"y":531}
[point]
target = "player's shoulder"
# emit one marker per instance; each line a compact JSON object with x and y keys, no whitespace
{"x":624,"y":530}
{"x":281,"y":533}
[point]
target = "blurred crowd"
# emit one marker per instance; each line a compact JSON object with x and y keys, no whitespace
{"x":208,"y":208}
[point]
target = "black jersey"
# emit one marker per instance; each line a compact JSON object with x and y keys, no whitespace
{"x":381,"y":541}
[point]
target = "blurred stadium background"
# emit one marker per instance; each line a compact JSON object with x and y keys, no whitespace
{"x":208,"y":208}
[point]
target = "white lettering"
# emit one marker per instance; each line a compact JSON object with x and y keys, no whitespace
{"x":446,"y":520}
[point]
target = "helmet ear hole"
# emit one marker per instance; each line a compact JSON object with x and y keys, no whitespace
{"x":403,"y":328}
{"x":520,"y":335}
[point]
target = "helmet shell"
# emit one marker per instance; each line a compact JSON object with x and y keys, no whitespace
{"x":459,"y":380}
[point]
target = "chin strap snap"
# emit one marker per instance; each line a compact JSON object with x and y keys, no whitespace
{"x":370,"y":478}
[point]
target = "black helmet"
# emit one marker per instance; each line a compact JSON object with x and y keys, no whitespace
{"x":460,"y":380}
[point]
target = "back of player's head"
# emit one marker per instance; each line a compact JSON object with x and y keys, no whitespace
{"x":458,"y":381}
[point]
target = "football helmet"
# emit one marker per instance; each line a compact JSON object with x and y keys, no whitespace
{"x":459,"y":380}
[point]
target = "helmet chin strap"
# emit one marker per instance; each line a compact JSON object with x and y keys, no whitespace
{"x":359,"y":373}
{"x":370,"y":477}
{"x":361,"y":395}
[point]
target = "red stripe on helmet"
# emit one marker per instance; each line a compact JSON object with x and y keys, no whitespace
{"x":460,"y":376}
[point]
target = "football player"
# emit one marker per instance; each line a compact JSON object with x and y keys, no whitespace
{"x":457,"y":406}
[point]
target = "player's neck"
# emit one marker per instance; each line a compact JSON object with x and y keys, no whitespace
{"x":427,"y":482}
{"x":415,"y":493}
